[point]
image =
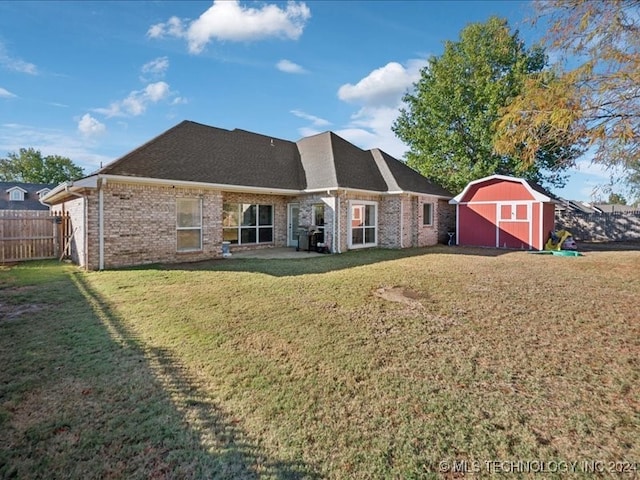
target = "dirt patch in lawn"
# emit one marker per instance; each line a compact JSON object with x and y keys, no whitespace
{"x":10,"y":312}
{"x":400,"y":295}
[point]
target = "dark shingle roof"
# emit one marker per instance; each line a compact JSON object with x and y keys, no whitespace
{"x":331,"y":162}
{"x":399,"y":176}
{"x":540,"y":189}
{"x":31,"y":200}
{"x":198,"y":153}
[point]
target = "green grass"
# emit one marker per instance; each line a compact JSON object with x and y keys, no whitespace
{"x":371,"y":364}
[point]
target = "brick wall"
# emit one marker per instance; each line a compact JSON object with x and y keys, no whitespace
{"x":279,"y":211}
{"x":446,"y":220}
{"x":78,"y":245}
{"x":140,"y":222}
{"x":306,"y":216}
{"x":140,"y":225}
{"x":427,"y":235}
{"x":400,"y":222}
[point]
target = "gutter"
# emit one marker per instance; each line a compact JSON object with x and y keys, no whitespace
{"x":189,"y":184}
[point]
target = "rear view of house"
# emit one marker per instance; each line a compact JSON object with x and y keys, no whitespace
{"x":178,"y":197}
{"x":503,"y":212}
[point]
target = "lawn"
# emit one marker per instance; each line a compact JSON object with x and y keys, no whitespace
{"x":370,"y":364}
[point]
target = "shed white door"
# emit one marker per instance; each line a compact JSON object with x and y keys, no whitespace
{"x":514,"y":225}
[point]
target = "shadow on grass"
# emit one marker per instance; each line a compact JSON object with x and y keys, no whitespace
{"x":323,"y":263}
{"x":98,"y":402}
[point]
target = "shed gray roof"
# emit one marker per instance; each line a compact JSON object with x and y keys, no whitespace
{"x":31,"y":200}
{"x":194,"y":152}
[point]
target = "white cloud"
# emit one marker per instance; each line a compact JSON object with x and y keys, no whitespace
{"x":380,"y":96}
{"x":179,"y":101}
{"x":370,"y":127}
{"x":4,"y":93}
{"x":50,"y":142}
{"x":137,"y":101}
{"x":89,"y":126}
{"x":155,"y":69}
{"x":171,"y":28}
{"x":16,"y":64}
{"x":287,"y":66}
{"x":227,"y":20}
{"x":383,"y":86}
{"x":156,"y":91}
{"x":590,"y":168}
{"x":316,"y":121}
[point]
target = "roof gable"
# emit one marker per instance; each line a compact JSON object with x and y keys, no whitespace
{"x":400,"y":177}
{"x":474,"y":185}
{"x":330,"y":161}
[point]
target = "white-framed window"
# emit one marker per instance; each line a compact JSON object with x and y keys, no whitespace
{"x":427,"y":214}
{"x":16,"y":194}
{"x":244,"y":223}
{"x":189,"y":224}
{"x":363,"y":224}
{"x":318,"y":214}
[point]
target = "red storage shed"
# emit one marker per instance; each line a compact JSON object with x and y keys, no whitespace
{"x":504,"y":212}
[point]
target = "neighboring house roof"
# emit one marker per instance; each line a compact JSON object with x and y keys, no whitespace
{"x":193,"y":152}
{"x":613,"y":208}
{"x":32,"y":194}
{"x":575,"y":206}
{"x":536,"y":191}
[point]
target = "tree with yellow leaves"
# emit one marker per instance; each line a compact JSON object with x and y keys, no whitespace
{"x":591,"y":99}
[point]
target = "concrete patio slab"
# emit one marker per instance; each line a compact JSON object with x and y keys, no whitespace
{"x":288,"y":252}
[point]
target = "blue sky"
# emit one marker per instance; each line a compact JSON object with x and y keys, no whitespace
{"x":94,"y":80}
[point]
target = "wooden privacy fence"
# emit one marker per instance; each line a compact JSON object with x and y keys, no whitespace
{"x":33,"y":236}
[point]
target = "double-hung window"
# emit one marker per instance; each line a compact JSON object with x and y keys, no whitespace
{"x":363,"y":224}
{"x":427,"y":214}
{"x":244,"y":223}
{"x":189,"y":224}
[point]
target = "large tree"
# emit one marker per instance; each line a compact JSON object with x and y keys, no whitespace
{"x":30,"y":166}
{"x":593,"y":98}
{"x":449,"y":122}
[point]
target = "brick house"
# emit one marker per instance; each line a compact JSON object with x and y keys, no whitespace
{"x":178,"y":197}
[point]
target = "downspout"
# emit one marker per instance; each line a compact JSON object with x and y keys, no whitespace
{"x":333,"y":223}
{"x":337,"y":220}
{"x":416,"y":223}
{"x":457,"y":224}
{"x":401,"y":222}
